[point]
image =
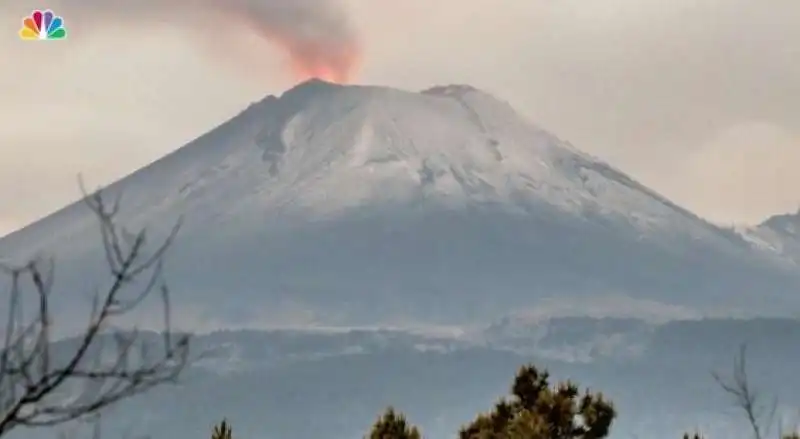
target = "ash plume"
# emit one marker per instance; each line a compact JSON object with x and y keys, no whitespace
{"x":316,"y":35}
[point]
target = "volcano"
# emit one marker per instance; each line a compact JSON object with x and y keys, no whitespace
{"x":366,"y":205}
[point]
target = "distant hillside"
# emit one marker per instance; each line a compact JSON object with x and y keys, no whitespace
{"x":300,"y":384}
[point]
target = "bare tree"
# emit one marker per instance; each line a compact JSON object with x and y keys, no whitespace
{"x":760,"y":416}
{"x":38,"y":383}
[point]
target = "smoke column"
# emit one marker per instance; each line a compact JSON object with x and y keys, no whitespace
{"x":316,"y":35}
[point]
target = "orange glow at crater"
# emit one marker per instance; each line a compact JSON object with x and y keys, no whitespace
{"x":338,"y":70}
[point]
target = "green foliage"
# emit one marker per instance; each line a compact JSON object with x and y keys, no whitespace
{"x":538,"y":410}
{"x":222,"y":430}
{"x":393,"y":425}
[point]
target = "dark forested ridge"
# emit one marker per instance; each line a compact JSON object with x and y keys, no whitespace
{"x":303,"y":384}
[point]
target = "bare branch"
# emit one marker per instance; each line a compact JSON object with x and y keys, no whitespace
{"x":36,"y":381}
{"x":746,"y":397}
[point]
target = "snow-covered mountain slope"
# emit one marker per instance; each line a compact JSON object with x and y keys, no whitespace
{"x":356,"y":204}
{"x":779,"y":235}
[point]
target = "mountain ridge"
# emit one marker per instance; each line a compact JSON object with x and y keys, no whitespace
{"x":778,"y":235}
{"x":270,"y":382}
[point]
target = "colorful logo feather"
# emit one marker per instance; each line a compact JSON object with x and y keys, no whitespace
{"x":43,"y":25}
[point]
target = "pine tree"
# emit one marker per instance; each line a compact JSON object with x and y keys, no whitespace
{"x":538,"y":410}
{"x":222,"y":431}
{"x":393,"y":425}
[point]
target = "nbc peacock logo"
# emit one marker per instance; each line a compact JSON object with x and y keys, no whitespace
{"x":43,"y":25}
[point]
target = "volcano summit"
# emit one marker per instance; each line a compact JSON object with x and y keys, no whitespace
{"x":363,"y":205}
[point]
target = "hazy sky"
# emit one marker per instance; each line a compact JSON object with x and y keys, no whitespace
{"x":700,"y":99}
